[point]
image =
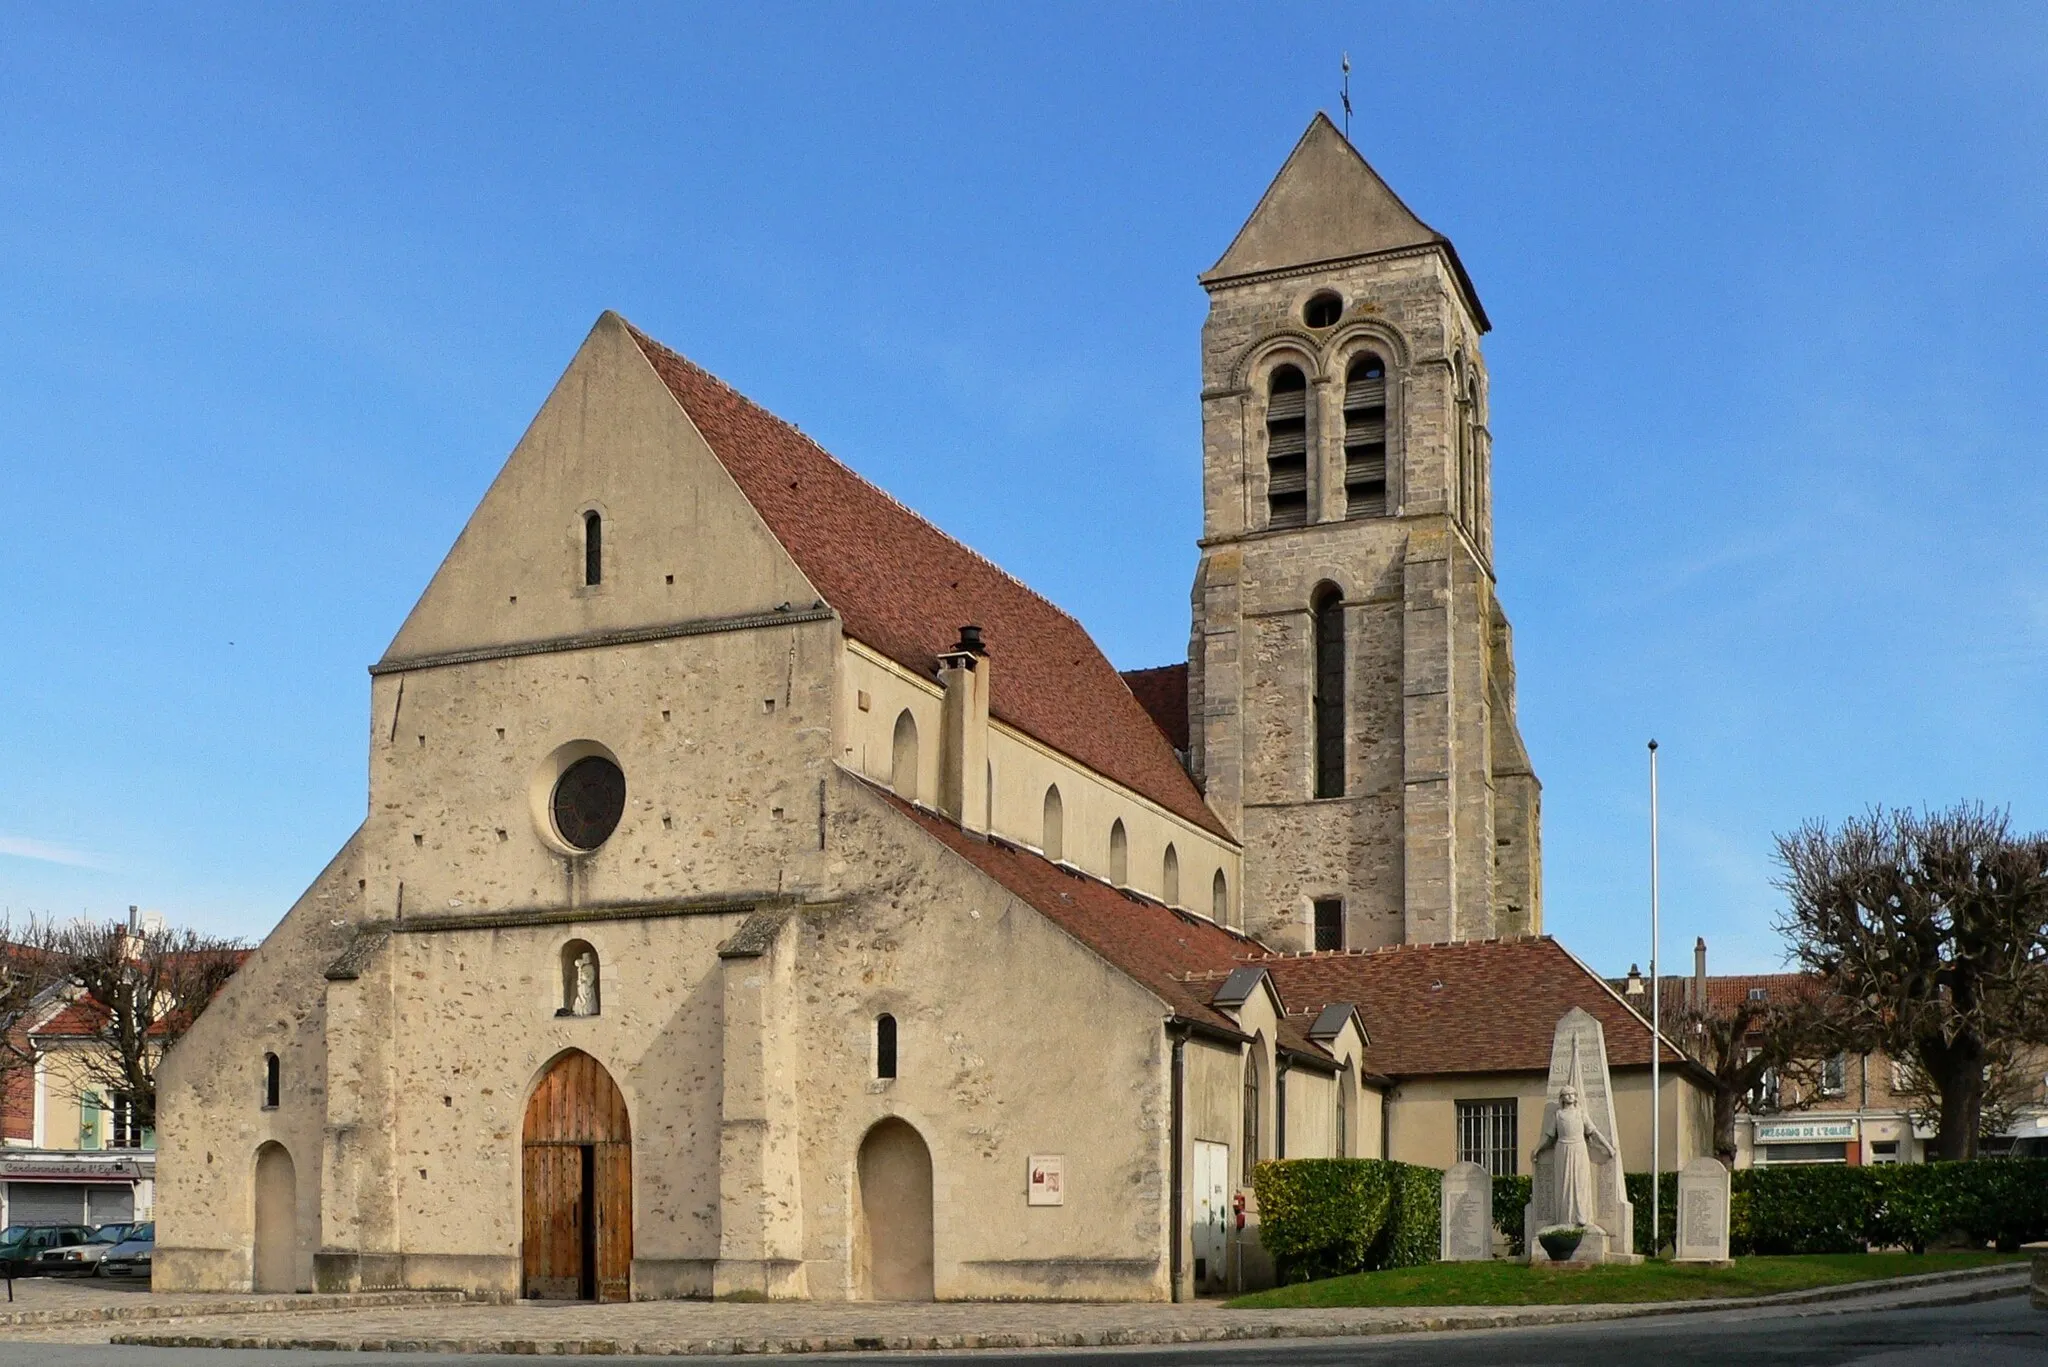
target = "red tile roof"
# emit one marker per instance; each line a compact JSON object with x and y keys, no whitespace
{"x":1165,"y":951}
{"x":905,"y":588}
{"x":1484,"y":1006}
{"x":1729,"y":989}
{"x":1163,"y":692}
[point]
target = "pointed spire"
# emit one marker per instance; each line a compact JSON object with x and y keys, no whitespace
{"x":1328,"y":204}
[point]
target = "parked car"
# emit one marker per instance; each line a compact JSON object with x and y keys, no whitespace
{"x":79,"y":1260}
{"x":130,"y":1257}
{"x":21,"y":1246}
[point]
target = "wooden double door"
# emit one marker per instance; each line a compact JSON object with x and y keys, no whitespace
{"x":577,"y":1160}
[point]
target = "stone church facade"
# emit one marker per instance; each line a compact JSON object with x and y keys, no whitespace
{"x":760,"y":892}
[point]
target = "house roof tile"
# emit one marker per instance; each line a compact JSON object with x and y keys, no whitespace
{"x":905,"y":588}
{"x":1482,"y":1006}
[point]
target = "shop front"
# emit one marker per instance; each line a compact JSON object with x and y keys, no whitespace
{"x":78,"y":1188}
{"x":1780,"y":1142}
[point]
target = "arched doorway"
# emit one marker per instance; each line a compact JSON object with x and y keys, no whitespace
{"x":895,"y":1262}
{"x":276,"y":1264}
{"x":577,"y":1152}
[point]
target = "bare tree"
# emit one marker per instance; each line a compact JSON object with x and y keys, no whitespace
{"x":2012,"y":1082}
{"x":26,"y":974}
{"x":1748,"y":1044}
{"x":1932,"y":929}
{"x":140,"y":989}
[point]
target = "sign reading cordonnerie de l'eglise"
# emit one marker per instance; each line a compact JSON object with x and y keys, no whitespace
{"x":1046,"y":1187}
{"x":112,"y":1170}
{"x":1798,"y":1131}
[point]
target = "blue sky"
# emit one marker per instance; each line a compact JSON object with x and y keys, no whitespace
{"x":280,"y":286}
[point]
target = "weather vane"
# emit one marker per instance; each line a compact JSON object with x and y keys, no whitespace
{"x":1347,"y":97}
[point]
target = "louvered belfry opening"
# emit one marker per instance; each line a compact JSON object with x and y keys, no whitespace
{"x":1287,"y":449}
{"x":1328,"y":612}
{"x":1365,"y":438}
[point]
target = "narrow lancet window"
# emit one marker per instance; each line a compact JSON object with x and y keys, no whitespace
{"x":1328,"y":615}
{"x":1119,"y":854}
{"x":1219,"y":899}
{"x":271,"y":1082}
{"x":1287,"y":449}
{"x":885,"y":1045}
{"x":1169,"y":877}
{"x":593,"y":549}
{"x":1365,"y":438}
{"x":1053,"y":838}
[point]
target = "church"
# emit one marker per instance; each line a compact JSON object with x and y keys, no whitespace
{"x":761,"y":893}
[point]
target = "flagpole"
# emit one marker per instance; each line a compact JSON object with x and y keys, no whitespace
{"x":1656,"y":1021}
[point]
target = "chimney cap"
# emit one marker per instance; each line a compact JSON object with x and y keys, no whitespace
{"x":970,"y":642}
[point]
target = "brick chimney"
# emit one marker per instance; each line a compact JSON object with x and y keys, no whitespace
{"x":963,"y":732}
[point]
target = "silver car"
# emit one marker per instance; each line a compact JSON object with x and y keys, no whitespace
{"x":82,"y":1259}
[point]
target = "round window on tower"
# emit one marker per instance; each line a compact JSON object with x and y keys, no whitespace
{"x":589,"y":799}
{"x":1323,"y":310}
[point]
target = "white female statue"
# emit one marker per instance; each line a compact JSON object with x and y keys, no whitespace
{"x":584,"y":1003}
{"x":1572,"y":1133}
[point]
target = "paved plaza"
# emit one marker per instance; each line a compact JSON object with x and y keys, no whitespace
{"x":696,"y":1328}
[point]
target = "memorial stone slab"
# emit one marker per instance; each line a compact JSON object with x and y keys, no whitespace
{"x":1467,"y":1214}
{"x":1703,"y":1187}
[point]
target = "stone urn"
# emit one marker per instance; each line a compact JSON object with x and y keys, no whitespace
{"x":1561,"y":1241}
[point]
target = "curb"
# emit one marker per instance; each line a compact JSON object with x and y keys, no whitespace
{"x":275,"y":1305}
{"x":1452,"y":1320}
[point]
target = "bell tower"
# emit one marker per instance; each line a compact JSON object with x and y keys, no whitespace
{"x":1350,"y":670}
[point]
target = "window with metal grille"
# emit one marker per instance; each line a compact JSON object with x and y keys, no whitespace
{"x":1487,"y":1135}
{"x":1329,"y":923}
{"x":593,"y":549}
{"x":1328,"y":615}
{"x":1365,"y":438}
{"x":1287,"y":449}
{"x":122,"y":1131}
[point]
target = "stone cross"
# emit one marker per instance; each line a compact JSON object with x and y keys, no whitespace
{"x":1702,"y":1212}
{"x":1578,"y":1062}
{"x":1467,"y":1214}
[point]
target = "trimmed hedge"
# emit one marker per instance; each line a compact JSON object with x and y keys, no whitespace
{"x":1325,"y":1217}
{"x":1830,"y":1209}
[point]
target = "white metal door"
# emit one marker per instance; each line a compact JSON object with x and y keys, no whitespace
{"x":1212,"y":1213}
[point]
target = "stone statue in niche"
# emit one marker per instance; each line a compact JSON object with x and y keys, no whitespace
{"x":582,"y":986}
{"x":1576,"y":1140}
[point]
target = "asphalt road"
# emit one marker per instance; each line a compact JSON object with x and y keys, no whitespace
{"x":1999,"y":1333}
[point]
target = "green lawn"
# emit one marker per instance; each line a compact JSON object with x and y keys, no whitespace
{"x":1505,"y":1283}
